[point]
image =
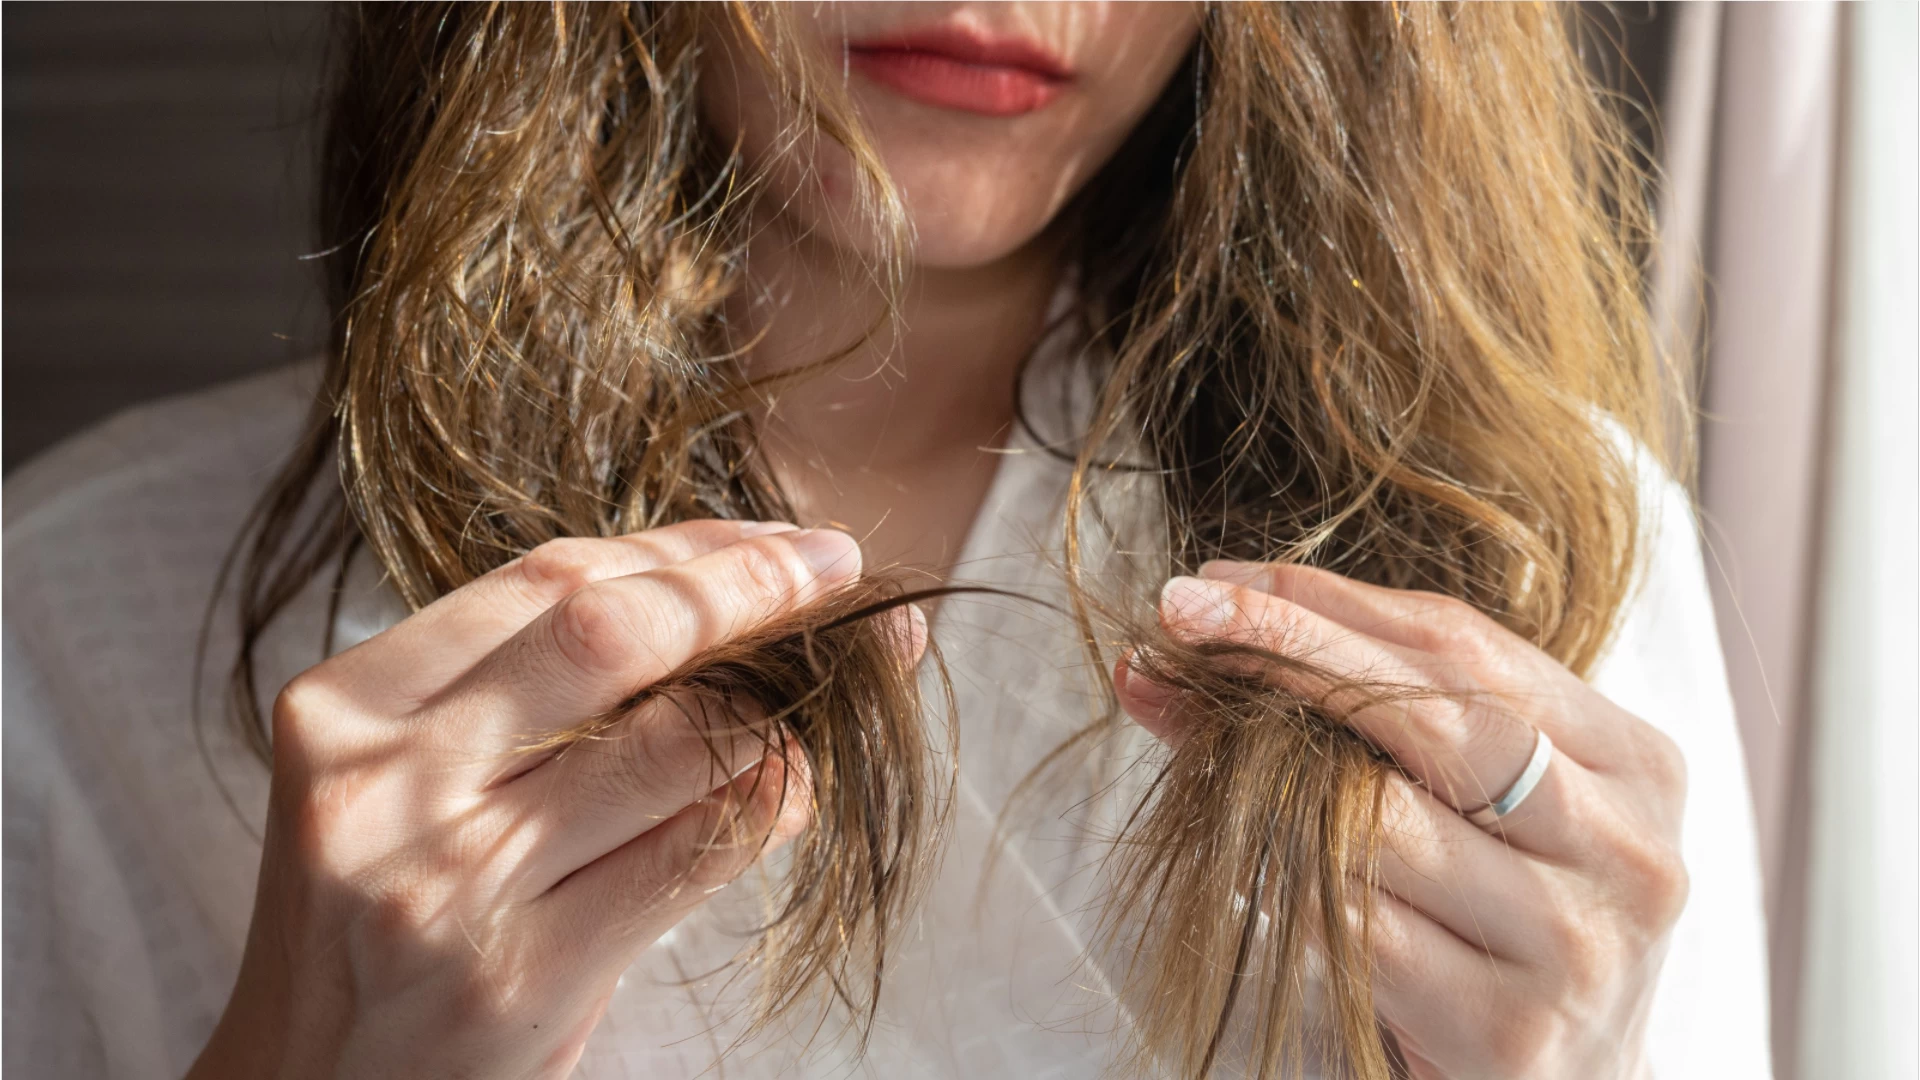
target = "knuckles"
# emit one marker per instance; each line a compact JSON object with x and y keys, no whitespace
{"x":1640,"y":837}
{"x":1591,"y":957}
{"x":1448,"y":626}
{"x":592,"y":631}
{"x":766,"y":571}
{"x":1662,"y":764}
{"x":560,"y":568}
{"x":601,"y":628}
{"x":1656,"y":883}
{"x":1582,"y":953}
{"x":1594,"y":944}
{"x":300,"y":711}
{"x":405,"y":910}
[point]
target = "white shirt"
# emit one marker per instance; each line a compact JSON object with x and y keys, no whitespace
{"x":131,"y":844}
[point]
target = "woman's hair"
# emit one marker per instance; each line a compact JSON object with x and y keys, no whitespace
{"x":1361,"y":292}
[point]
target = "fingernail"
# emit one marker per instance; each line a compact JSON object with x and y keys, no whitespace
{"x":912,"y":626}
{"x":830,"y":552}
{"x":1250,"y":575}
{"x":1145,"y":695}
{"x":766,"y":528}
{"x":1199,"y":607}
{"x":917,"y":633}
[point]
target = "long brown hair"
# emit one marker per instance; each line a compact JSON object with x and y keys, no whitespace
{"x":1361,"y":293}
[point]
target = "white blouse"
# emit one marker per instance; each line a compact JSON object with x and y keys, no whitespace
{"x":131,"y":839}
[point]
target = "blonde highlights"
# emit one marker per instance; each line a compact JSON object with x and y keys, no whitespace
{"x":1360,"y":293}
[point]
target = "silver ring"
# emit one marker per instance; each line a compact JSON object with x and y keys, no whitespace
{"x":1486,"y":816}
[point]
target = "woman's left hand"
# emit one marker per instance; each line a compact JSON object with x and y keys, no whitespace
{"x":1530,"y":950}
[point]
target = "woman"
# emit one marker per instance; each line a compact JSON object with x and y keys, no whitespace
{"x":1312,"y":333}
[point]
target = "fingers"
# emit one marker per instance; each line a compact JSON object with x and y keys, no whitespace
{"x":1391,"y":615}
{"x":1151,"y":705}
{"x":1481,"y":890}
{"x":1426,"y":980}
{"x":1457,"y":1011}
{"x":1464,"y":744}
{"x":1456,"y":744}
{"x":1445,"y":635}
{"x":602,"y":792}
{"x":615,"y":637}
{"x":534,"y":582}
{"x":627,"y":898}
{"x":917,"y":633}
{"x":443,"y":640}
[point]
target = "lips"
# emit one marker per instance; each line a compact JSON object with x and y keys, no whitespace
{"x":962,"y":69}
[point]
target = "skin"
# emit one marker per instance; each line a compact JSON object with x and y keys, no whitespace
{"x":894,"y":443}
{"x":1528,"y":950}
{"x":434,"y":901}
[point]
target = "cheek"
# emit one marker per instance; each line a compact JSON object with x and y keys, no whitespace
{"x":737,"y":106}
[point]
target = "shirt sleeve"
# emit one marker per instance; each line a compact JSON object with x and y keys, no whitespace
{"x":1710,"y":1012}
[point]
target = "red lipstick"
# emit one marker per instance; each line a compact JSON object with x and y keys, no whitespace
{"x":957,"y":67}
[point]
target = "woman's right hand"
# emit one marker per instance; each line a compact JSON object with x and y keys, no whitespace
{"x":433,"y":900}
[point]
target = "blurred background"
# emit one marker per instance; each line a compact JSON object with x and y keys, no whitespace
{"x":156,"y":187}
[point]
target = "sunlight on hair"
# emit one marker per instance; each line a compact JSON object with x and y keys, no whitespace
{"x":1360,"y":292}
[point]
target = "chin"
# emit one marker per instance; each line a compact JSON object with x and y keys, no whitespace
{"x":961,"y":218}
{"x":951,"y":234}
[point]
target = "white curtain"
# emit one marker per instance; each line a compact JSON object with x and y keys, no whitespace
{"x":1789,"y":152}
{"x":1860,"y":986}
{"x":1767,"y":173}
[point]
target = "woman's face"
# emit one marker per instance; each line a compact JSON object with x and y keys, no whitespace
{"x":988,"y":116}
